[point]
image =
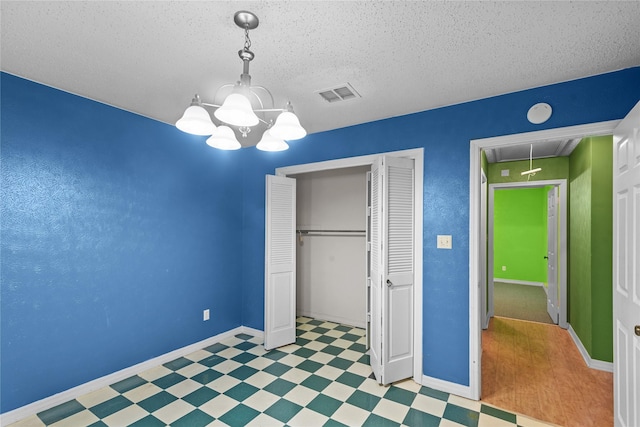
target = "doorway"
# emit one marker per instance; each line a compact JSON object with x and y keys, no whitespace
{"x":417,"y":156}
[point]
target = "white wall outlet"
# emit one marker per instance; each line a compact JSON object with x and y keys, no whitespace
{"x":444,"y":242}
{"x":504,"y":172}
{"x":504,"y":268}
{"x":205,"y":315}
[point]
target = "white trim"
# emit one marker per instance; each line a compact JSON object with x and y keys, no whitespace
{"x":518,"y":282}
{"x":417,"y":154}
{"x":592,"y":363}
{"x":475,"y":146}
{"x":250,"y":331}
{"x":93,"y":385}
{"x":447,"y":386}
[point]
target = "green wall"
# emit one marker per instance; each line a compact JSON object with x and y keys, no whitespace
{"x":520,"y":234}
{"x":552,"y":168}
{"x":591,"y":245}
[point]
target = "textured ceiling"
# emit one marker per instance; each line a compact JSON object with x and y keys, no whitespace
{"x":401,"y":57}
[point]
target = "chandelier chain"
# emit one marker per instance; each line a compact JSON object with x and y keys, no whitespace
{"x":247,"y":40}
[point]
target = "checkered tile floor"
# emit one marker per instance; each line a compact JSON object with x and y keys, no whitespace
{"x":324,"y":379}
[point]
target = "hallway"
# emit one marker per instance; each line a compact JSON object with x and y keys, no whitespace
{"x":535,"y":369}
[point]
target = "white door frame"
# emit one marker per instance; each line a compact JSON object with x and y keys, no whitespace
{"x":417,"y":155}
{"x":562,"y":248}
{"x":475,"y":148}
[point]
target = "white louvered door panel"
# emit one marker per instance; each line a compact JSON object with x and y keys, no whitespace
{"x":626,"y":271}
{"x":280,"y":262}
{"x":398,"y":266}
{"x":375,"y":350}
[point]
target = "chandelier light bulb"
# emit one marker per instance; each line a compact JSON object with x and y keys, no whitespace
{"x":271,"y":143}
{"x":196,"y":121}
{"x":287,"y":127}
{"x":236,"y":110}
{"x":223,"y":139}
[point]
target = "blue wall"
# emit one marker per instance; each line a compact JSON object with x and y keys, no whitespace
{"x":445,"y":134}
{"x":117,"y":231}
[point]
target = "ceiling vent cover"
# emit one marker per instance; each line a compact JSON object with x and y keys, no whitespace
{"x":341,"y":92}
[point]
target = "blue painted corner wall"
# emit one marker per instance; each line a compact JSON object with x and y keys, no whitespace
{"x":445,"y":134}
{"x":117,"y":230}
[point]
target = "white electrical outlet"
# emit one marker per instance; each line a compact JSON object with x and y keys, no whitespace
{"x":205,"y":315}
{"x":504,"y":268}
{"x":504,"y":172}
{"x":444,"y":242}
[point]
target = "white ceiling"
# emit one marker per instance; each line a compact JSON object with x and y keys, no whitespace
{"x":401,"y":57}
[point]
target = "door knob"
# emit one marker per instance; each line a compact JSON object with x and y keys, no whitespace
{"x":637,"y":330}
{"x":546,"y":257}
{"x":389,"y":282}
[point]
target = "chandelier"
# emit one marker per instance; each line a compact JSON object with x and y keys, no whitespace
{"x":245,"y":108}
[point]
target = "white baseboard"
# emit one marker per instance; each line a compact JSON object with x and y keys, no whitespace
{"x":592,"y":363}
{"x":447,"y":387}
{"x":75,"y":392}
{"x":518,"y":282}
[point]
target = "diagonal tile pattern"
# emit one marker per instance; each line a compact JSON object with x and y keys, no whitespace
{"x":324,"y":379}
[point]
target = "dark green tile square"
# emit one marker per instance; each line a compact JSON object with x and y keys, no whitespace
{"x":179,"y":363}
{"x":324,"y":404}
{"x":461,"y":415}
{"x":195,"y":418}
{"x":277,"y":369}
{"x":111,"y":406}
{"x":200,"y":396}
{"x":400,"y":395}
{"x":436,"y":394}
{"x":128,"y":384}
{"x":309,"y":366}
{"x":365,"y":360}
{"x":315,"y":322}
{"x":350,"y":379}
{"x":244,"y":336}
{"x":316,"y":383}
{"x":241,"y":391}
{"x":60,"y":412}
{"x":417,"y":418}
{"x":205,"y":377}
{"x":351,"y":337}
{"x":360,"y":348}
{"x":102,"y":424}
{"x":244,"y":358}
{"x":283,"y":410}
{"x":320,"y":330}
{"x":334,"y":423}
{"x":331,"y":349}
{"x":169,"y":380}
{"x":216,"y":348}
{"x":326,"y":339}
{"x":304,"y":352}
{"x":343,"y":328}
{"x":244,"y":346}
{"x":148,"y":421}
{"x":363,"y":400}
{"x":302,"y":341}
{"x":239,"y":416}
{"x":495,"y":412}
{"x":280,"y":387}
{"x":275,"y":355}
{"x":340,"y":363}
{"x":374,"y":420}
{"x":243,"y":372}
{"x":212,"y":360}
{"x":157,"y":401}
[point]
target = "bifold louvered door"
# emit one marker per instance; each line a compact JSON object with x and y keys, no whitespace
{"x":391,"y":352}
{"x":626,"y":270}
{"x":280,"y":262}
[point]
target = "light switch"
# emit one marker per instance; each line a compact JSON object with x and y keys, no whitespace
{"x":504,"y":172}
{"x":444,"y":242}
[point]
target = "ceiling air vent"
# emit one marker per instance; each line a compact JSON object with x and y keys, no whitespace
{"x":339,"y":93}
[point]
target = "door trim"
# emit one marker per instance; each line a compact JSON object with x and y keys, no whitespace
{"x":417,"y":155}
{"x":475,"y":148}
{"x":562,"y":232}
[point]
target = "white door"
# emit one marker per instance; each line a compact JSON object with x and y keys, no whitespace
{"x":280,"y":262}
{"x":392,"y":234}
{"x":552,"y":254}
{"x":367,"y":330}
{"x":626,"y":270}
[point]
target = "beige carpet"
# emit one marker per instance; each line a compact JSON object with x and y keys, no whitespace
{"x":523,"y":302}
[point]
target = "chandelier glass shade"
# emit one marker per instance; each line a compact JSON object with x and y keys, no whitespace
{"x":245,"y":109}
